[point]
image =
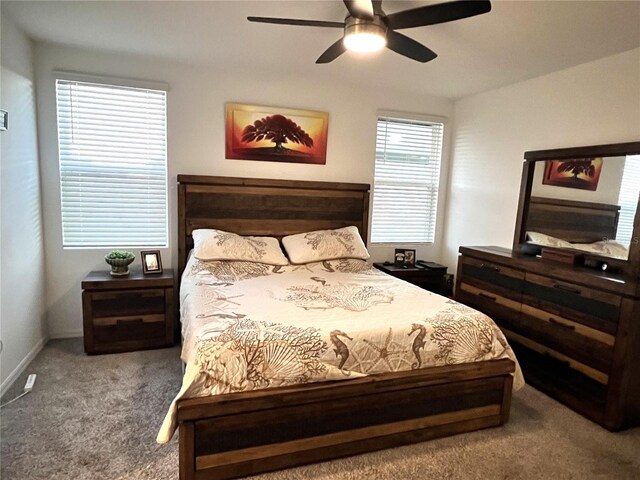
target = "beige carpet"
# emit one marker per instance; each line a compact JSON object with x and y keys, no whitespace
{"x":92,"y":418}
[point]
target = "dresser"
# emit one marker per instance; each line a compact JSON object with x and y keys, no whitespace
{"x":575,"y":331}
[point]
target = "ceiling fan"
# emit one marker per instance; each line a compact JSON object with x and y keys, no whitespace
{"x":367,"y":28}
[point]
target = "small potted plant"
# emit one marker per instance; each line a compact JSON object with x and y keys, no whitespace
{"x":119,"y":261}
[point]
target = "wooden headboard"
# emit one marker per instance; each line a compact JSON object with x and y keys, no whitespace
{"x":575,"y":222}
{"x":276,"y":208}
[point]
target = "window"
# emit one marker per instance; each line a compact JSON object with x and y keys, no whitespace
{"x":628,"y":200}
{"x":407,"y":174}
{"x":113,"y":165}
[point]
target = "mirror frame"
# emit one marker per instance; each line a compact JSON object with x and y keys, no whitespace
{"x":631,"y":266}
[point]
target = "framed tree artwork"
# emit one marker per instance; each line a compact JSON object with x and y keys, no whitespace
{"x":583,"y":173}
{"x":275,"y":134}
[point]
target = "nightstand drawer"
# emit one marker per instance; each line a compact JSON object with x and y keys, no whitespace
{"x":128,"y":303}
{"x":129,"y":329}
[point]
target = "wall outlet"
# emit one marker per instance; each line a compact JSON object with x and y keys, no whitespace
{"x":30,"y":381}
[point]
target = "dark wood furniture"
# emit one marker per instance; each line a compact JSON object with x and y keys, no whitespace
{"x":233,"y":435}
{"x":432,"y":279}
{"x":123,"y":314}
{"x":590,"y":225}
{"x":573,"y":221}
{"x":575,"y":330}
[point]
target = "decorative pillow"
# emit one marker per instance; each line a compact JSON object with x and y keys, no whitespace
{"x":547,"y":240}
{"x":325,"y":245}
{"x":219,"y":245}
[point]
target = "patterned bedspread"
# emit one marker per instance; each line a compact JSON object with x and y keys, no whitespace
{"x":249,"y":326}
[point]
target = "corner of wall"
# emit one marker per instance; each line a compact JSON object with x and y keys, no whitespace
{"x":22,"y":278}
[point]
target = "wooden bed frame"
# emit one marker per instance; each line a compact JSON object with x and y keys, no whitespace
{"x":239,"y":434}
{"x":573,"y":221}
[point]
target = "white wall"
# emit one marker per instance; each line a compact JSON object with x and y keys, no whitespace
{"x":594,"y":103}
{"x":22,"y":325}
{"x":196,"y":144}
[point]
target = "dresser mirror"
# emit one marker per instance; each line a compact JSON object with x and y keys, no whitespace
{"x":582,"y":200}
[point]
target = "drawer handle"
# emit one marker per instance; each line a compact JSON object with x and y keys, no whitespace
{"x":561,"y":324}
{"x":129,"y":321}
{"x":489,"y":267}
{"x":489,"y":297}
{"x":567,"y":289}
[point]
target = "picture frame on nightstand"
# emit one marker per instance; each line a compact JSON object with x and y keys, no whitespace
{"x":404,"y":257}
{"x":151,"y":262}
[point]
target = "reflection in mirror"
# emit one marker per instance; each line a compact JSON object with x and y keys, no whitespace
{"x":588,"y":204}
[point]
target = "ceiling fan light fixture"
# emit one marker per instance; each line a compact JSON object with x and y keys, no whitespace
{"x":364,"y":35}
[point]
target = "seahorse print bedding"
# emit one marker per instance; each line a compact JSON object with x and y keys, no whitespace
{"x":249,"y":326}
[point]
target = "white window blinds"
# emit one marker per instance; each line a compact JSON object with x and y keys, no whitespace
{"x":628,"y":200}
{"x":407,"y":173}
{"x":113,"y":165}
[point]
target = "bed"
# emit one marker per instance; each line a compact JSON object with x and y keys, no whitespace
{"x":345,"y":402}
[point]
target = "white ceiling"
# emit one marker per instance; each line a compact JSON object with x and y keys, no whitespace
{"x":517,"y":40}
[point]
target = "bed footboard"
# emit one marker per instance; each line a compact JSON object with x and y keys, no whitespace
{"x":240,"y":434}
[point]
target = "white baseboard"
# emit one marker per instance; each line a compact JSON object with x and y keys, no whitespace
{"x":72,"y":333}
{"x":22,"y":366}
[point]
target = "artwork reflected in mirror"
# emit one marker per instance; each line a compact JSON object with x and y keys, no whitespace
{"x":582,"y":204}
{"x":583,"y":173}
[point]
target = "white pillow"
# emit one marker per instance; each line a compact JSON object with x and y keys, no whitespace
{"x":325,"y":245}
{"x":547,"y":240}
{"x":219,"y":245}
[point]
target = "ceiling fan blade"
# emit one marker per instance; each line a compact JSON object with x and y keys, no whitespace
{"x":439,"y":13}
{"x":409,"y":47}
{"x":362,"y":9}
{"x":377,"y":7}
{"x":295,"y":21}
{"x":333,"y":52}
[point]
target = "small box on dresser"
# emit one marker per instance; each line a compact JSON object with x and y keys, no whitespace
{"x":123,"y":314}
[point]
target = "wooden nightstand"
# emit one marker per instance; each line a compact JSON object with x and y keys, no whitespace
{"x":123,"y":314}
{"x":432,"y":279}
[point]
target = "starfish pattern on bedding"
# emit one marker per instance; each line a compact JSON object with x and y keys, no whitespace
{"x":387,"y":352}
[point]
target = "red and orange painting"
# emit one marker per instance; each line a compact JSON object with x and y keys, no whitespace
{"x":581,"y":173}
{"x":276,"y":134}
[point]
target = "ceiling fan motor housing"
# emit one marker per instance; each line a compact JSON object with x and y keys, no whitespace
{"x":353,"y":25}
{"x":356,"y":27}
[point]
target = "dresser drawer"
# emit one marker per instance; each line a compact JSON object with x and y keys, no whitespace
{"x":574,"y":340}
{"x":128,"y":303}
{"x":495,"y":306}
{"x":560,"y":358}
{"x":557,"y":379}
{"x":596,"y":309}
{"x":494,"y":277}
